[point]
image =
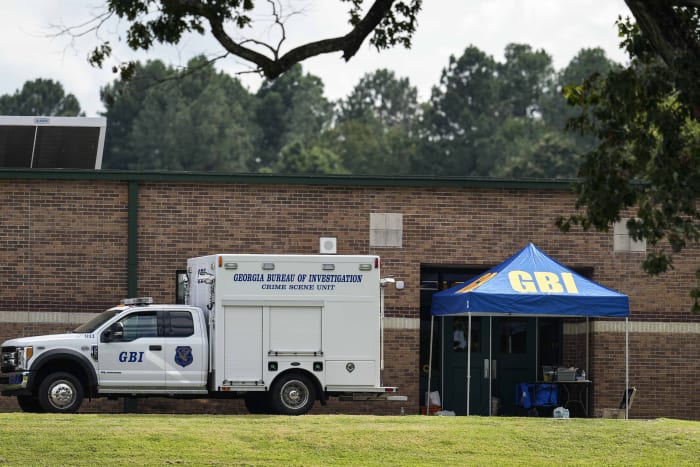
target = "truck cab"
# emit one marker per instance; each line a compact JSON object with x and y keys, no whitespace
{"x":135,"y":348}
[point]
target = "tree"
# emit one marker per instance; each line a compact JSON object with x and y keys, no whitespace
{"x":41,"y":97}
{"x":525,"y":76}
{"x":124,"y":101}
{"x":459,"y":123}
{"x":550,"y":155}
{"x":297,"y":159}
{"x":554,"y":108}
{"x":382,"y":98}
{"x":389,"y":22}
{"x":670,"y":29}
{"x":375,"y":125}
{"x":290,"y":108}
{"x":197,"y":121}
{"x":536,"y":144}
{"x":646,"y":119}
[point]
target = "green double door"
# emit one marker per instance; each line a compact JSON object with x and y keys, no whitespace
{"x":503,"y":353}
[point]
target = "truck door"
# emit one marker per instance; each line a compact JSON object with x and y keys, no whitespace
{"x":185,"y":354}
{"x":243,"y":347}
{"x":131,"y":353}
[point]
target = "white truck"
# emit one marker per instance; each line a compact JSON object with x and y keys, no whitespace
{"x":280,"y":331}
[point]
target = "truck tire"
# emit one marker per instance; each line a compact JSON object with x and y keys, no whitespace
{"x":29,"y":404}
{"x":257,"y":403}
{"x":293,"y":394}
{"x":60,"y":393}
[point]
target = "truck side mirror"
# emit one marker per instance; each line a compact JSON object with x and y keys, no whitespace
{"x":113,"y":333}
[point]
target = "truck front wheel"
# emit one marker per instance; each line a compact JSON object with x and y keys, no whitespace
{"x":293,"y":394}
{"x":60,"y":393}
{"x":29,"y":404}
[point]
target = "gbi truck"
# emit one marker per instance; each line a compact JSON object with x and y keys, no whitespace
{"x":280,"y":331}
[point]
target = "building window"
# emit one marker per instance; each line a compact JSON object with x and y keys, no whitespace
{"x":623,"y":241}
{"x":180,"y":287}
{"x":385,"y":230}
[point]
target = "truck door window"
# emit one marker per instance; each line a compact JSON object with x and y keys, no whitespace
{"x":139,"y":325}
{"x":181,"y":324}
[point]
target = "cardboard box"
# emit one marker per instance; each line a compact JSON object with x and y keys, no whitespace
{"x":566,"y":374}
{"x":610,"y":413}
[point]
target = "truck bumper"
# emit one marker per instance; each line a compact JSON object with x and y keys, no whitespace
{"x":13,"y":383}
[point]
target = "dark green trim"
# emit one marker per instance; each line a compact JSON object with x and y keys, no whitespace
{"x":133,"y":240}
{"x":275,"y":179}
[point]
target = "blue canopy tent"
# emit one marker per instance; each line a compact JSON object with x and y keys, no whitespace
{"x":529,"y":283}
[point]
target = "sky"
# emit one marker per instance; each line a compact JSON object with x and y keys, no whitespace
{"x":31,"y":49}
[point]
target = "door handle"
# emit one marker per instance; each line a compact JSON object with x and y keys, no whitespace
{"x":155,"y":347}
{"x":490,"y":367}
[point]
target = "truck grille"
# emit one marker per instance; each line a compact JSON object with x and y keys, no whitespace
{"x":8,"y":359}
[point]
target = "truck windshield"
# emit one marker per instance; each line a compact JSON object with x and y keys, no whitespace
{"x":97,"y":321}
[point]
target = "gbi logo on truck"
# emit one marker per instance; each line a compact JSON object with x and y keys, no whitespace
{"x":183,"y":356}
{"x":131,"y":357}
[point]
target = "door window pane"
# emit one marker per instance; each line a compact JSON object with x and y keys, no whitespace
{"x":550,"y":341}
{"x":181,"y":324}
{"x":460,"y":327}
{"x":139,"y":325}
{"x":513,"y":336}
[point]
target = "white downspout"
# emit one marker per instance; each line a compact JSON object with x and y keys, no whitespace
{"x":469,"y":361}
{"x":430,"y":363}
{"x":627,"y":368}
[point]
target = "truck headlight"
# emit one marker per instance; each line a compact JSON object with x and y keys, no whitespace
{"x":23,"y":355}
{"x":26,"y":356}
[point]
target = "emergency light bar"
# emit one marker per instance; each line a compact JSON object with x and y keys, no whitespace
{"x":137,"y":301}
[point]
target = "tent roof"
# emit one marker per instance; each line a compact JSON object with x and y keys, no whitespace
{"x":530,"y":283}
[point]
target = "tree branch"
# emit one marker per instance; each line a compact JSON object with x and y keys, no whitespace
{"x":349,"y":44}
{"x":659,"y":24}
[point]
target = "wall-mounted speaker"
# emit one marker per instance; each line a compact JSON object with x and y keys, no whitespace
{"x":328,"y":245}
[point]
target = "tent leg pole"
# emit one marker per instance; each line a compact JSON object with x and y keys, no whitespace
{"x":537,"y":347}
{"x":627,"y":368}
{"x":469,"y":361}
{"x":430,"y":363}
{"x":441,"y":346}
{"x":490,"y":364}
{"x":588,"y":338}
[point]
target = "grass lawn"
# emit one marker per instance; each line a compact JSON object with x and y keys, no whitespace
{"x":97,"y":439}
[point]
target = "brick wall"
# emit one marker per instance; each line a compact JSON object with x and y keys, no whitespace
{"x":62,"y":245}
{"x":63,"y":248}
{"x":663,"y":369}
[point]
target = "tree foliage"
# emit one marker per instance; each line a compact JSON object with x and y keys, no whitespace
{"x":482,"y":120}
{"x":295,"y":158}
{"x":375,"y":125}
{"x":485,"y":118}
{"x":645,"y":117}
{"x":40,"y":97}
{"x":198,"y":121}
{"x":386,"y":22}
{"x":289,"y":109}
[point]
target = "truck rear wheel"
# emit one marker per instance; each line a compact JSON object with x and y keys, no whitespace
{"x":60,"y":393}
{"x":293,"y":394}
{"x":257,"y":403}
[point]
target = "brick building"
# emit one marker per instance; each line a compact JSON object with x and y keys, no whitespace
{"x":74,"y":243}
